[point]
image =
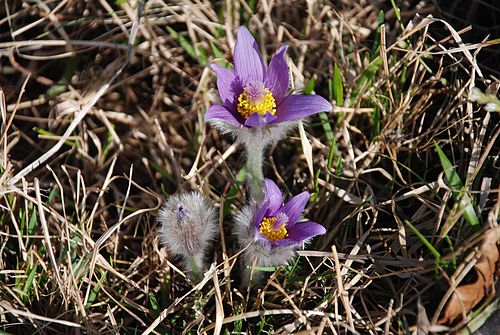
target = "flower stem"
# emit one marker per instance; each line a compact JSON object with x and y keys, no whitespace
{"x":255,"y":153}
{"x":195,"y":264}
{"x":250,"y":276}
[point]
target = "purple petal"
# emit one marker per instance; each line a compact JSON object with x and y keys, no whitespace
{"x":273,"y":194}
{"x":227,"y":84}
{"x":262,"y":209}
{"x":284,"y":243}
{"x":276,"y":78}
{"x":295,"y":206}
{"x":304,"y":230}
{"x":221,"y":112}
{"x":258,"y":121}
{"x":296,"y":107}
{"x":248,"y":65}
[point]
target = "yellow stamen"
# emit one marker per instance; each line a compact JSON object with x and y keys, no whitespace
{"x":266,"y":228}
{"x":248,"y":105}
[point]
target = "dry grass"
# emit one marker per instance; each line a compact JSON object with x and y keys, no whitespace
{"x":101,"y":148}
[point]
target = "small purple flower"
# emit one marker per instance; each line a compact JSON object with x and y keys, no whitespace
{"x":272,"y":228}
{"x":254,"y":96}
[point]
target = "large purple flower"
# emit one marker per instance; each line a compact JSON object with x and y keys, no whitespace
{"x":254,"y":96}
{"x":271,"y":228}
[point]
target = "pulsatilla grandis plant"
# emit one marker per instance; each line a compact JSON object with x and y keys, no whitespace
{"x":257,"y":109}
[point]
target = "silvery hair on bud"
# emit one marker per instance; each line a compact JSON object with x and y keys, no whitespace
{"x":187,"y":224}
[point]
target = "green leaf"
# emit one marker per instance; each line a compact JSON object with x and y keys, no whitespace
{"x":338,"y":167}
{"x":154,"y":303}
{"x":217,"y":53}
{"x":310,"y":85}
{"x":29,"y":283}
{"x":325,"y":122}
{"x":338,"y":86}
{"x":337,"y":89}
{"x":425,"y":241}
{"x":459,"y":192}
{"x":398,"y":14}
{"x":376,"y":40}
{"x":49,"y":133}
{"x":95,"y":290}
{"x":314,"y":194}
{"x":331,"y":155}
{"x":32,"y":223}
{"x":368,"y":76}
{"x":62,"y":85}
{"x":202,"y":55}
{"x":376,"y":121}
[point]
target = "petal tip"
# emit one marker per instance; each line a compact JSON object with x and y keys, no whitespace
{"x":248,"y":64}
{"x":214,"y":67}
{"x":321,"y":230}
{"x":296,"y":107}
{"x":282,"y":49}
{"x":243,"y":30}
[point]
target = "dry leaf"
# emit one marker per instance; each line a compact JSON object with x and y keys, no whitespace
{"x":306,"y":146}
{"x":467,"y":296}
{"x":423,"y":324}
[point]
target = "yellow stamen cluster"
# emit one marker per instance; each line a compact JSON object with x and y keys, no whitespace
{"x":267,"y":229}
{"x":247,"y":106}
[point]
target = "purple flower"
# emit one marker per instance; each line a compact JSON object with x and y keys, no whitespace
{"x":254,"y":96}
{"x":272,"y":228}
{"x":276,"y":222}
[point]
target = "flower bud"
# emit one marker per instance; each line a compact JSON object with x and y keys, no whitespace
{"x":187,"y":224}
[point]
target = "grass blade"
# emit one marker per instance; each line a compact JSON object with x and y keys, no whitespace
{"x":425,"y":241}
{"x":459,"y":192}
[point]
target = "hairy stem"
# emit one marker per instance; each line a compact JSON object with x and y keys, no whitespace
{"x":195,"y":265}
{"x":250,"y":277}
{"x":255,"y":153}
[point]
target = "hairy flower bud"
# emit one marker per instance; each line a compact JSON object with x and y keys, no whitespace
{"x":187,"y":224}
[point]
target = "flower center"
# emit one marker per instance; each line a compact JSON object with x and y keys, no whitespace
{"x":269,"y":229}
{"x":255,"y":98}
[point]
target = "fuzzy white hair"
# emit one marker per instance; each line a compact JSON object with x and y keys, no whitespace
{"x":251,"y":137}
{"x":187,"y":224}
